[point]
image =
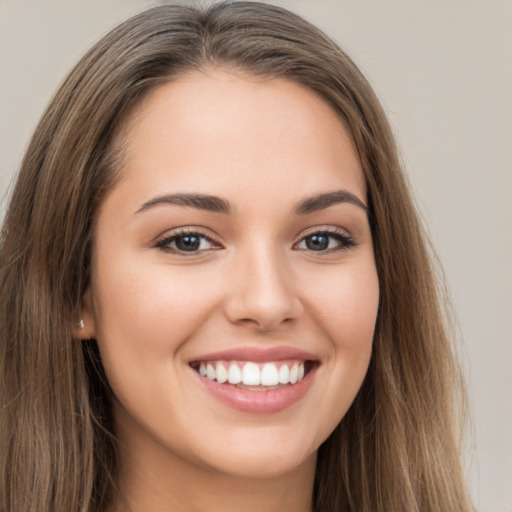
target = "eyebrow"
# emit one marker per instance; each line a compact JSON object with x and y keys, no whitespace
{"x":198,"y":201}
{"x":219,"y":205}
{"x":322,"y":201}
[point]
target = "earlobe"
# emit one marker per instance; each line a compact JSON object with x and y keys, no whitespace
{"x":86,"y":327}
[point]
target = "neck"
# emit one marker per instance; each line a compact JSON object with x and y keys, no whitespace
{"x":216,"y":494}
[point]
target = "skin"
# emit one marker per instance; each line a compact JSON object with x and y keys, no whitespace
{"x":263,"y":145}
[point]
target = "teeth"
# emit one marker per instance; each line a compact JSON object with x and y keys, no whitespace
{"x":252,"y":374}
{"x":222,"y":373}
{"x":234,"y":374}
{"x":284,"y":374}
{"x":210,"y":372}
{"x":294,"y":373}
{"x":269,"y":375}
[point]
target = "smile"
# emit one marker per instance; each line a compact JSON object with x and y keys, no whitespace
{"x":257,"y":381}
{"x":252,"y":375}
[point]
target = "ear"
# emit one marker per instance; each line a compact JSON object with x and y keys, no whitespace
{"x":86,"y":328}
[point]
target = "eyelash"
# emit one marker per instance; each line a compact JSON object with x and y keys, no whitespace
{"x":164,"y":243}
{"x":345,"y":241}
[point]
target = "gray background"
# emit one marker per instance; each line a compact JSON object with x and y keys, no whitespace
{"x":443,"y":70}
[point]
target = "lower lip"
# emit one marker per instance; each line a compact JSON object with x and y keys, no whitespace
{"x":258,"y":402}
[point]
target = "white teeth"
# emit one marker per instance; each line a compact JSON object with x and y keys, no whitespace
{"x":251,"y":374}
{"x":294,"y":373}
{"x":284,"y":374}
{"x":210,"y":372}
{"x":234,"y":374}
{"x":269,"y":375}
{"x":222,"y":373}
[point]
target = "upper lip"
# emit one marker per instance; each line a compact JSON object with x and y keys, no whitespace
{"x":258,"y":355}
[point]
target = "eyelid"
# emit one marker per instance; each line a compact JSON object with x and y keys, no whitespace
{"x":170,"y":235}
{"x":344,"y":237}
{"x":347,"y":240}
{"x":336,"y":230}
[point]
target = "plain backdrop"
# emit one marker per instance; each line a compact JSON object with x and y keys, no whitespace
{"x":443,"y":70}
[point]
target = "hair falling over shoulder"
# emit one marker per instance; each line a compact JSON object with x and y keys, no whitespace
{"x":396,"y":450}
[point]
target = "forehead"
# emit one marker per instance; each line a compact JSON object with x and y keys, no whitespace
{"x":213,"y":129}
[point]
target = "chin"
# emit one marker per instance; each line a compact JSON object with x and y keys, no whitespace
{"x":264,"y":466}
{"x":262,"y":458}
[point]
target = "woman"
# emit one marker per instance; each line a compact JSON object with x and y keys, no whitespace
{"x":215,"y":290}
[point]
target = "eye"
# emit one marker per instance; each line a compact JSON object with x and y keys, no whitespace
{"x":187,"y":241}
{"x":326,"y":241}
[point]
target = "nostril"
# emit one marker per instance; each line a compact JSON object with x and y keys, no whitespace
{"x":265,"y":315}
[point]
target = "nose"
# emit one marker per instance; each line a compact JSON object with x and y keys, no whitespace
{"x":262,"y":292}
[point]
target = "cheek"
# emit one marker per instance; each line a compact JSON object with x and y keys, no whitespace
{"x":157,"y":303}
{"x":145,"y":313}
{"x":345,"y":304}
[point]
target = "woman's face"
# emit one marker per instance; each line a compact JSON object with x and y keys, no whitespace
{"x":236,"y":246}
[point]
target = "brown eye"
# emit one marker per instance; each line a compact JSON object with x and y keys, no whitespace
{"x":187,"y":243}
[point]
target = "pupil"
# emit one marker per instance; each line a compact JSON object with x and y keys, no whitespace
{"x":188,"y":243}
{"x":317,"y":242}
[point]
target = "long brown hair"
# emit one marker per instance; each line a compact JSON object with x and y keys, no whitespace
{"x":396,"y":449}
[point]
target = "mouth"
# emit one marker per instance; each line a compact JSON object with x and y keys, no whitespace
{"x":254,"y":376}
{"x":255,"y":380}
